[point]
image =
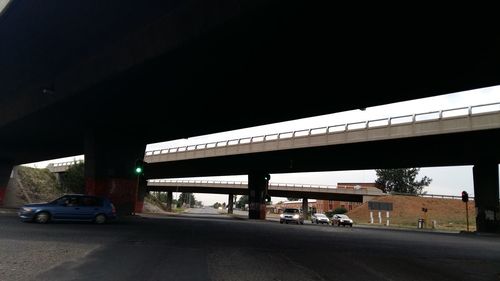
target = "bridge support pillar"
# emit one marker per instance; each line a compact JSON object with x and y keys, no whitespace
{"x":141,"y":193}
{"x":230,"y":204}
{"x":257,"y":188}
{"x":305,"y":208}
{"x":109,"y":170}
{"x":169,"y":201}
{"x":486,"y":197}
{"x":5,"y":171}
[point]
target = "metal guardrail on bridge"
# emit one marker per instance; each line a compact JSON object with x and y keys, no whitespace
{"x":478,"y":117}
{"x":63,"y":166}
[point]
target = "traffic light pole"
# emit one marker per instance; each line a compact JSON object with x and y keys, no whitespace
{"x":467,"y":214}
{"x":136,"y":194}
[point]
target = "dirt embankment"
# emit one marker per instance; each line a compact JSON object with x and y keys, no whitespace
{"x":448,"y":213}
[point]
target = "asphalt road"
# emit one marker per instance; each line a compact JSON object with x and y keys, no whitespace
{"x":203,"y":245}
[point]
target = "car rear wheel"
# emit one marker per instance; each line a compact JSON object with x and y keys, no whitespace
{"x":100,"y":219}
{"x":42,"y":217}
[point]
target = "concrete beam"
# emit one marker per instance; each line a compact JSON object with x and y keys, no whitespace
{"x":305,"y":208}
{"x":486,"y":196}
{"x":5,"y":172}
{"x":230,"y":204}
{"x":169,"y":201}
{"x":257,"y":190}
{"x":109,"y":170}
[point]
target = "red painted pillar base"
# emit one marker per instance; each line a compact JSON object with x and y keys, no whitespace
{"x":121,"y":192}
{"x":5,"y":172}
{"x":2,"y":194}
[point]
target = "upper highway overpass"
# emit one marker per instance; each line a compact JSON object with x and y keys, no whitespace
{"x":455,"y":120}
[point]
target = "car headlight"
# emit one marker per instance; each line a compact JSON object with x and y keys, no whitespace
{"x":282,"y":216}
{"x":25,"y":209}
{"x":295,"y":216}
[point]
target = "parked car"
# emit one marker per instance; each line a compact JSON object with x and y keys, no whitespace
{"x":292,"y":215}
{"x":343,"y":220}
{"x":71,"y":207}
{"x":320,"y":218}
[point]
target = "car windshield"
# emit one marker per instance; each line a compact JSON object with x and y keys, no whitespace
{"x":292,"y":211}
{"x":320,"y":216}
{"x":343,"y":216}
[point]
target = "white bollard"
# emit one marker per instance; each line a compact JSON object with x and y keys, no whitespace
{"x":379,"y":217}
{"x":371,"y":217}
{"x":387,"y":215}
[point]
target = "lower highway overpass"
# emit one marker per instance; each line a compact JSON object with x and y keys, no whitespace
{"x":274,"y":189}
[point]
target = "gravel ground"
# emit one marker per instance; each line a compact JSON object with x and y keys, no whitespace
{"x":17,"y":255}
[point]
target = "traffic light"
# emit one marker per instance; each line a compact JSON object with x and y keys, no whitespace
{"x":267,"y":177}
{"x":139,"y":167}
{"x":465,"y":196}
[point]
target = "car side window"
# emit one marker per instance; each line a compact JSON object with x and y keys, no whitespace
{"x":62,"y":201}
{"x":72,"y":201}
{"x":91,"y":201}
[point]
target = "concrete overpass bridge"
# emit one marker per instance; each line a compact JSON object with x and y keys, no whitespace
{"x":305,"y":191}
{"x":110,"y":69}
{"x":326,"y":192}
{"x":448,"y":121}
{"x":459,"y":136}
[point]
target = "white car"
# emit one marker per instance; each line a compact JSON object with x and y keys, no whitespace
{"x":343,"y":220}
{"x":320,"y":218}
{"x":292,"y":215}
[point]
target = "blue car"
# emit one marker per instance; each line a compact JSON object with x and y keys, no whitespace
{"x":71,"y":207}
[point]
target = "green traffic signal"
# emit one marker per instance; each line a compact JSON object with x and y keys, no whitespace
{"x":138,"y":170}
{"x":139,"y":167}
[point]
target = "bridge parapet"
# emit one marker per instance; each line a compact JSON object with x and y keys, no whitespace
{"x":272,"y":186}
{"x":62,"y":167}
{"x":461,"y":119}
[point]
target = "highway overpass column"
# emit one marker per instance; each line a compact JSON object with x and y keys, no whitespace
{"x":257,"y":190}
{"x":230,"y":204}
{"x":141,"y":193}
{"x":169,"y":201}
{"x":305,"y":208}
{"x":109,"y":169}
{"x":486,"y":197}
{"x":5,"y":171}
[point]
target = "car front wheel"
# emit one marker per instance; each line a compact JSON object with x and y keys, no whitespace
{"x":42,"y":217}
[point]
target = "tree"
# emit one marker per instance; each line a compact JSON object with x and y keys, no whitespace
{"x":340,"y":210}
{"x":242,"y":201}
{"x":187,"y":198}
{"x":401,"y":181}
{"x":73,"y":181}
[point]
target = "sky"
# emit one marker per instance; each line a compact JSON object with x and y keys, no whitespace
{"x":445,"y":180}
